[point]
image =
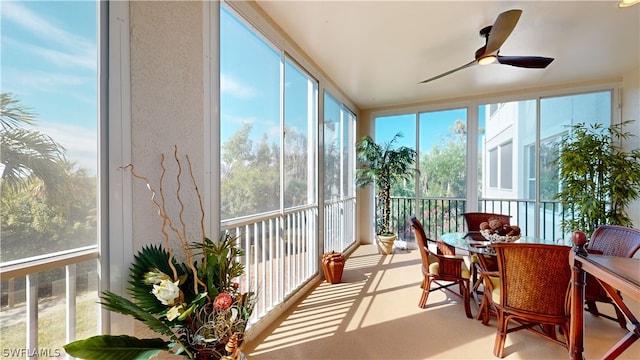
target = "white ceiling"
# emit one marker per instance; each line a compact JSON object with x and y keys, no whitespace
{"x":377,"y":52}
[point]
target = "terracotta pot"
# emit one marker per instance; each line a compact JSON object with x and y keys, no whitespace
{"x":333,"y":266}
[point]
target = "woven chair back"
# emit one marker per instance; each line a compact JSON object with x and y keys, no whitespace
{"x":534,"y":278}
{"x":615,"y":240}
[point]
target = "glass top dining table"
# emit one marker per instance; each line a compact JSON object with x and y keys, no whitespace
{"x":473,"y":241}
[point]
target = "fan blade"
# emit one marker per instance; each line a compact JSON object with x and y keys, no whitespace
{"x":501,"y":29}
{"x":533,"y":62}
{"x":450,"y":72}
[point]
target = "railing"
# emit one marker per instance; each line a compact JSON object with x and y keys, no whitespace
{"x":281,"y":249}
{"x":339,"y":225}
{"x":281,"y":254}
{"x":441,"y":215}
{"x":31,"y":282}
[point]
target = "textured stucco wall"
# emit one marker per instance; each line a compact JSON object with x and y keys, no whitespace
{"x":166,"y":110}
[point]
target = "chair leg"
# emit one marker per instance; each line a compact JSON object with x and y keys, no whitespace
{"x":426,"y":285}
{"x":550,"y":331}
{"x":466,"y":298}
{"x":592,"y":307}
{"x":484,"y":312}
{"x":501,"y":335}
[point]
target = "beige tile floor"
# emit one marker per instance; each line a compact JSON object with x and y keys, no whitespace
{"x":373,"y":314}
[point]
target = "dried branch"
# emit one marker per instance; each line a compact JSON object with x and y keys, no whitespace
{"x":165,"y":218}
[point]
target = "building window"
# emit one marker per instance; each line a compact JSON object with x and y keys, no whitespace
{"x":493,"y":168}
{"x":506,"y":166}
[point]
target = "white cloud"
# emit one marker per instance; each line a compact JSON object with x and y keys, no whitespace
{"x":47,"y":81}
{"x":234,"y":88}
{"x":81,"y":144}
{"x":78,"y":51}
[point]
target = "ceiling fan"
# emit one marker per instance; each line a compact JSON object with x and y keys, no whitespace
{"x":495,"y":35}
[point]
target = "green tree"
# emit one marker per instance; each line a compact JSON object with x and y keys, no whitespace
{"x":46,"y":205}
{"x":598,"y":178}
{"x":250,"y":176}
{"x":444,"y":166}
{"x":26,"y":154}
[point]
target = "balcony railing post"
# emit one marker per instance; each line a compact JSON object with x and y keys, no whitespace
{"x":32,"y":313}
{"x":70,"y":274}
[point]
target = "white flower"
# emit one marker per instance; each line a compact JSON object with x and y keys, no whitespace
{"x":167,"y":292}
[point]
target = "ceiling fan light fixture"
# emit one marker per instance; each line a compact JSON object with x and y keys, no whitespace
{"x":486,"y":60}
{"x":627,"y":3}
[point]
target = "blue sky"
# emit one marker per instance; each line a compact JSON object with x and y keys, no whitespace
{"x":49,"y":63}
{"x":434,"y":127}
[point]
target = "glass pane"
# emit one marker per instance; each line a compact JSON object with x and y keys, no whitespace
{"x":250,"y":120}
{"x":386,"y":127}
{"x":506,"y":166}
{"x":509,"y":132}
{"x":348,"y":152}
{"x":493,"y":168}
{"x":557,"y":115}
{"x":300,"y":122}
{"x":49,"y":127}
{"x":443,"y":153}
{"x":332,"y":146}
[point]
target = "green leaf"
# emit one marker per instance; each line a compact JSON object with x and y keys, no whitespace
{"x":123,"y":347}
{"x":117,"y":303}
{"x":147,"y":259}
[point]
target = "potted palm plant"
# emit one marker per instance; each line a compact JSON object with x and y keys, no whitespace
{"x":383,"y":165}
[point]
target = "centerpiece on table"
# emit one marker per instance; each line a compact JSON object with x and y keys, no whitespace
{"x":495,"y":230}
{"x":196,"y":305}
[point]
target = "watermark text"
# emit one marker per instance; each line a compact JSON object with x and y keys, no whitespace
{"x":26,"y":352}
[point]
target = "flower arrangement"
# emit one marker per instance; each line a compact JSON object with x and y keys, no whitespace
{"x":196,"y":306}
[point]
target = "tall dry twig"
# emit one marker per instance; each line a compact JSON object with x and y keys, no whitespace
{"x":165,"y":218}
{"x":167,"y":221}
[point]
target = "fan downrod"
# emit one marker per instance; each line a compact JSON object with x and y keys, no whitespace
{"x":484,"y":32}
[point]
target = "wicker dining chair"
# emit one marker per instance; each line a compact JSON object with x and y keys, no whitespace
{"x":612,"y":240}
{"x":533,"y":291}
{"x":445,"y":270}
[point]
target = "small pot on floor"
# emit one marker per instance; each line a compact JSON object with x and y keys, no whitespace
{"x":385,"y":243}
{"x":333,"y":266}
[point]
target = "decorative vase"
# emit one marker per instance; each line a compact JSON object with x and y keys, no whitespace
{"x":385,"y":243}
{"x":333,"y":265}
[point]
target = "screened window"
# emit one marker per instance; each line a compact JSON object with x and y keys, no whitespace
{"x":339,"y":180}
{"x":49,"y":166}
{"x":386,"y":127}
{"x":332,"y":147}
{"x":443,"y":153}
{"x":517,"y":168}
{"x":250,"y":134}
{"x":300,"y":119}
